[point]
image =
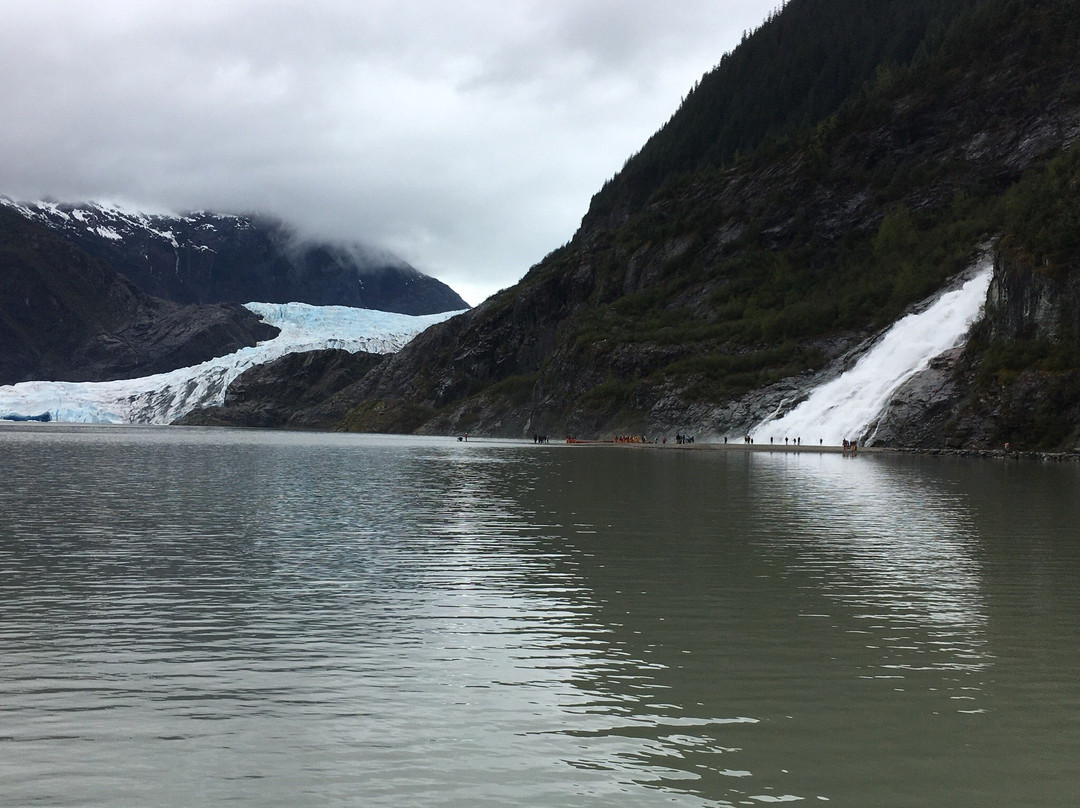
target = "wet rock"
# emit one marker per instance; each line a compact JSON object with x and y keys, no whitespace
{"x":919,"y":412}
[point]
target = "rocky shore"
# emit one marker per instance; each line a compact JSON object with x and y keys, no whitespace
{"x":997,"y":454}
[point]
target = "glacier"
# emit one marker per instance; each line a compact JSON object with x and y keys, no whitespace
{"x":850,"y":406}
{"x":164,"y":397}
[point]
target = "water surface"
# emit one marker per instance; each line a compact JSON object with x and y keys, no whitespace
{"x":279,"y":619}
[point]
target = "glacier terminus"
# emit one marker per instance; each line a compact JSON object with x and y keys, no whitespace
{"x":164,"y":397}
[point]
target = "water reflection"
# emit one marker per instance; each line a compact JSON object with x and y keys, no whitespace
{"x":275,"y":619}
{"x":897,"y":554}
{"x":706,"y":632}
{"x":657,"y":707}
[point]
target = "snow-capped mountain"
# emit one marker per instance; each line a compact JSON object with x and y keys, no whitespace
{"x":164,"y":397}
{"x":205,"y":257}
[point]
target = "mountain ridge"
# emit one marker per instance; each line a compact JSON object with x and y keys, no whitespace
{"x":208,"y":257}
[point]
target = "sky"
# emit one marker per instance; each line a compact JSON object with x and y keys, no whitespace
{"x":465,"y":136}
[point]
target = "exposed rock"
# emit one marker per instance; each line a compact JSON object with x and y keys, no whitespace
{"x":296,"y":391}
{"x":167,"y":336}
{"x":999,"y":454}
{"x":1015,"y":383}
{"x":1024,"y":303}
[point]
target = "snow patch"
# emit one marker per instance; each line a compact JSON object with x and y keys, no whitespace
{"x":109,"y":233}
{"x":165,"y":234}
{"x":54,"y":209}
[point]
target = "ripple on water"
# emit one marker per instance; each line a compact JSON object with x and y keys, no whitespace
{"x":272,"y":619}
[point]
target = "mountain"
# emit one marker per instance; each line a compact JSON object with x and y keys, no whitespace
{"x":845,"y":164}
{"x":67,"y":315}
{"x":94,"y":292}
{"x":206,"y":257}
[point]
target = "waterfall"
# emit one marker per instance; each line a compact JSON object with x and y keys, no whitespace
{"x":845,"y":407}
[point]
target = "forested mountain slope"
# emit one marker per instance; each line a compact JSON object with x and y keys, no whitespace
{"x":750,"y":244}
{"x":791,"y":73}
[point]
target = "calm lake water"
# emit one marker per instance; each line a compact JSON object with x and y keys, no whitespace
{"x":208,"y":617}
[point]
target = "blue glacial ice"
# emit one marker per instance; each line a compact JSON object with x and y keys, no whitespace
{"x":164,"y":397}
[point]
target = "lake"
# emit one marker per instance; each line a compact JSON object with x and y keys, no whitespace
{"x":207,"y":617}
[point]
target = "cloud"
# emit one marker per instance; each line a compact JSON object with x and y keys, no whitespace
{"x":468,"y":137}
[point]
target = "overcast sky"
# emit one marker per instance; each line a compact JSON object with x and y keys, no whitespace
{"x":465,"y":136}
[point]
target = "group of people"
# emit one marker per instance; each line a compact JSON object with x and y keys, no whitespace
{"x":849,"y":446}
{"x":679,"y":439}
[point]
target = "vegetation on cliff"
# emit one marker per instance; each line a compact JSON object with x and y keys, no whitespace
{"x":794,"y":71}
{"x":1023,"y":359}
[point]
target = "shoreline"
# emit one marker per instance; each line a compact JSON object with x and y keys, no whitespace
{"x":989,"y":454}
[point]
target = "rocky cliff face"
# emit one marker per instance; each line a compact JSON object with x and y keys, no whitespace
{"x":1017,"y":382}
{"x":1021,"y":381}
{"x":164,"y":336}
{"x":1026,"y":302}
{"x":65,"y":315}
{"x":210,"y":258}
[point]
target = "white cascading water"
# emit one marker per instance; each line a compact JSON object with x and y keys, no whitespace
{"x":845,"y":407}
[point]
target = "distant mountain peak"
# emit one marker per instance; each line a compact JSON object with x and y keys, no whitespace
{"x":208,"y":257}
